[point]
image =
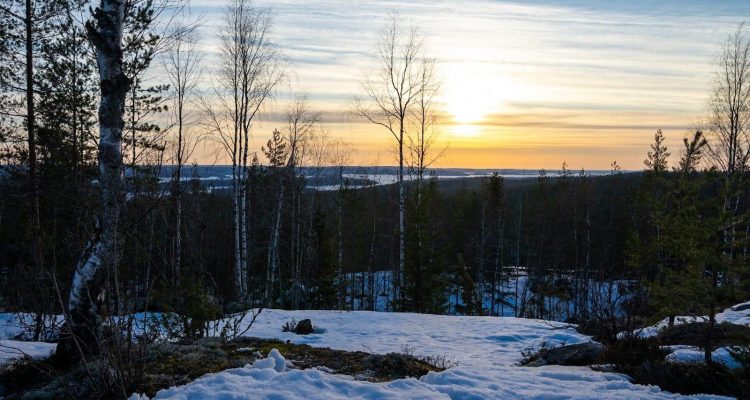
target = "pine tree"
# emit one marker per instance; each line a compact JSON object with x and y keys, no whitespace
{"x":657,"y":158}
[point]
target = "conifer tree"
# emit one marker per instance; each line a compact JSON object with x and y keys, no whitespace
{"x":657,"y":158}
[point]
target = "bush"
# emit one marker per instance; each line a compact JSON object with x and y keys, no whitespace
{"x":441,"y":361}
{"x":289,"y":326}
{"x":644,"y":361}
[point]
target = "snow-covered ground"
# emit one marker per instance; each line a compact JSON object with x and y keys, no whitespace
{"x":487,"y":350}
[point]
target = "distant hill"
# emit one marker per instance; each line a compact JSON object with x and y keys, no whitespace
{"x":327,"y":178}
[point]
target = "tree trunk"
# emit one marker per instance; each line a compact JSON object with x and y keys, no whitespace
{"x":245,"y":215}
{"x":240,"y":286}
{"x":178,"y":193}
{"x":401,"y":221}
{"x":708,"y":349}
{"x":88,"y":291}
{"x":518,"y":252}
{"x":36,"y":229}
{"x":273,"y":248}
{"x":370,"y":269}
{"x":340,"y":241}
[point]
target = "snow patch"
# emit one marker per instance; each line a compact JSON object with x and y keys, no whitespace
{"x":653,"y":330}
{"x":13,"y":349}
{"x":738,"y":314}
{"x":274,"y":361}
{"x":695,"y":355}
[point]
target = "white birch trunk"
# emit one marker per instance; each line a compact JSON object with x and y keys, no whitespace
{"x":401,"y":221}
{"x":87,"y":292}
{"x":273,"y":249}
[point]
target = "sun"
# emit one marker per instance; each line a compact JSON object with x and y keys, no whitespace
{"x":472,"y":92}
{"x":465,"y":130}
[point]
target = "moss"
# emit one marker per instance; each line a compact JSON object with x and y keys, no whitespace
{"x":170,"y":364}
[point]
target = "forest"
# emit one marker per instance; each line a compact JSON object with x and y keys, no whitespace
{"x":105,"y":217}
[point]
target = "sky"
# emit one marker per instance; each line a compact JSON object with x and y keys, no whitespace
{"x":524,"y":84}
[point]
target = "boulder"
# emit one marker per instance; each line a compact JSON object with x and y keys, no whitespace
{"x":580,"y":354}
{"x":304,"y":327}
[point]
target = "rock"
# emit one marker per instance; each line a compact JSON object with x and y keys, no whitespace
{"x":304,"y":327}
{"x":580,"y":354}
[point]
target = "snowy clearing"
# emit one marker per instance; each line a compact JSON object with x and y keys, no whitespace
{"x":487,"y":350}
{"x":13,"y":349}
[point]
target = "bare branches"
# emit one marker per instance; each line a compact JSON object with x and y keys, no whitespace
{"x":249,"y":71}
{"x":389,"y":92}
{"x":389,"y":100}
{"x":424,"y":134}
{"x":729,"y":124}
{"x":183,"y":71}
{"x":302,"y":124}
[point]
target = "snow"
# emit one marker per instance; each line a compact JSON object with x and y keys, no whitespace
{"x":738,"y":314}
{"x":10,"y":326}
{"x":14,"y":349}
{"x":484,"y":352}
{"x":653,"y":330}
{"x":694,"y":355}
{"x":274,"y":361}
{"x":487,"y":350}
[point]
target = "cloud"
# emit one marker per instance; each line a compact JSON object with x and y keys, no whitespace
{"x":545,"y":68}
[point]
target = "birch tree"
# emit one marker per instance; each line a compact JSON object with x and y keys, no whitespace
{"x":421,"y":141}
{"x":729,"y":105}
{"x":250,"y":68}
{"x":340,"y":157}
{"x":389,"y":99}
{"x":276,"y":153}
{"x":302,"y":124}
{"x":88,"y":292}
{"x":183,"y":72}
{"x":729,"y":136}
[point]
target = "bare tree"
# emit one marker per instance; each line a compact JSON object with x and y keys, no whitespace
{"x":87,"y":292}
{"x":183,"y":71}
{"x":390,"y":98}
{"x":152,"y":29}
{"x":250,"y":69}
{"x":729,"y":127}
{"x":340,"y":156}
{"x":423,"y":137}
{"x":421,"y":142}
{"x":302,"y":124}
{"x":729,"y":122}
